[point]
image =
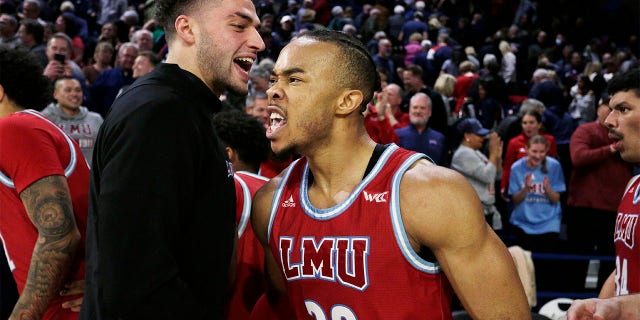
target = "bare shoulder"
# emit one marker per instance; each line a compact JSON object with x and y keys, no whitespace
{"x":437,"y":204}
{"x":261,"y":207}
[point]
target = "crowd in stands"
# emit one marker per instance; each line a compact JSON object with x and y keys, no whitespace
{"x":532,"y":71}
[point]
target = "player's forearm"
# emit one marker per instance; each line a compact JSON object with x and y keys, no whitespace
{"x":50,"y":267}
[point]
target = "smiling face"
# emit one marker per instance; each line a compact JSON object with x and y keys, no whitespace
{"x":227,"y":43}
{"x":303,"y":95}
{"x":624,"y":124}
{"x":68,"y":93}
{"x":535,"y":154}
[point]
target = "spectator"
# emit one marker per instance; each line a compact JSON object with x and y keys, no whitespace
{"x":481,"y":171}
{"x":66,"y":24}
{"x":258,"y":108}
{"x":143,"y":38}
{"x":145,"y":62}
{"x":77,"y":121}
{"x":583,"y":105}
{"x":531,"y":124}
{"x":535,"y":184}
{"x":109,"y":82}
{"x":102,"y":57}
{"x":418,"y":136}
{"x":445,"y":85}
{"x":31,"y":34}
{"x":412,"y":48}
{"x":413,"y":83}
{"x":9,"y":31}
{"x":415,"y":25}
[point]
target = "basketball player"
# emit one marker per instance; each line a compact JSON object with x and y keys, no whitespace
{"x":356,"y":230}
{"x":247,"y":147}
{"x":44,"y":181}
{"x":624,"y":126}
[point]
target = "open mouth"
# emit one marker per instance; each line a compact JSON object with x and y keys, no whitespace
{"x":276,"y":121}
{"x":244,"y":63}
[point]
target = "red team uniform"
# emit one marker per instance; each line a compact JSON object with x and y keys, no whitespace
{"x":627,"y":241}
{"x":353,"y":260}
{"x":31,"y":148}
{"x":250,"y":282}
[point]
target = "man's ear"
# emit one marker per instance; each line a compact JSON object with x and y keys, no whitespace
{"x":231,"y":154}
{"x":185,"y":28}
{"x":349,"y":101}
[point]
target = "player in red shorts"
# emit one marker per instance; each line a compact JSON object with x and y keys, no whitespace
{"x":356,"y":230}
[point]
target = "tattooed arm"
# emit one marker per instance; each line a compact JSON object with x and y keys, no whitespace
{"x":48,"y":204}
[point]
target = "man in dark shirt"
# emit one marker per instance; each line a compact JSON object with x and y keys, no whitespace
{"x":162,"y":200}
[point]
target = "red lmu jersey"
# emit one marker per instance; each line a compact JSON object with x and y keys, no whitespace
{"x":354,"y":260}
{"x":249,"y":283}
{"x":31,"y":148}
{"x":627,"y":241}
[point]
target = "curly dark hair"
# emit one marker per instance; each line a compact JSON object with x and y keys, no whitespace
{"x":245,"y":134}
{"x":22,"y":79}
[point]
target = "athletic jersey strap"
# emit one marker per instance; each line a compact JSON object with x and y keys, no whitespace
{"x":4,"y":179}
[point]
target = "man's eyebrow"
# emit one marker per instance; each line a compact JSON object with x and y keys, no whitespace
{"x":288,"y":72}
{"x":246,"y":17}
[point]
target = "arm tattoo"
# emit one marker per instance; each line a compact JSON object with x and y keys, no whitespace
{"x":48,"y":204}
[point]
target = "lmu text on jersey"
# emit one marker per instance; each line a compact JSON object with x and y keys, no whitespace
{"x":341,"y":259}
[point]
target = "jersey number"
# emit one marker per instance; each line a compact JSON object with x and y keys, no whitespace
{"x":338,"y":312}
{"x":621,"y":277}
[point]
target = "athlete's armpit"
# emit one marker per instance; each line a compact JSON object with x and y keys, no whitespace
{"x":48,"y":204}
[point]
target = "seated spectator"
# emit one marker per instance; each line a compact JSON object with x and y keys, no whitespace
{"x":145,"y":62}
{"x":9,"y":31}
{"x":143,"y":38}
{"x":31,"y":34}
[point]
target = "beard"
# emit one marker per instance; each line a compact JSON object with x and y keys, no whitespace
{"x":209,"y":59}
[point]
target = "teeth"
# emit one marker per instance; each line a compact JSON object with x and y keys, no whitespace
{"x":246,"y":60}
{"x":275,"y":116}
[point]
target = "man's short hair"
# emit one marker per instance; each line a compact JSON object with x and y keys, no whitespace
{"x":245,"y":134}
{"x":126,"y":46}
{"x":22,"y":79}
{"x":34,"y":28}
{"x":356,"y":69}
{"x":152,"y":57}
{"x":168,"y":10}
{"x":63,"y":36}
{"x":627,"y":81}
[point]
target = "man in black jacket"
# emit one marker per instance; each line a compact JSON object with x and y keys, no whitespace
{"x":161,"y":218}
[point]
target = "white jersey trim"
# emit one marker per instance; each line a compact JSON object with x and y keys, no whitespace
{"x":246,"y":195}
{"x":396,"y":220}
{"x":332,"y":212}
{"x":68,"y":171}
{"x":278,"y":194}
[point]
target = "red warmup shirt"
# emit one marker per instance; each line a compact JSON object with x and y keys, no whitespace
{"x":31,"y":148}
{"x":249,"y":283}
{"x":627,"y":241}
{"x":353,"y":260}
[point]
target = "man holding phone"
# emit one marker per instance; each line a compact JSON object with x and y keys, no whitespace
{"x":58,"y":52}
